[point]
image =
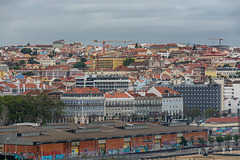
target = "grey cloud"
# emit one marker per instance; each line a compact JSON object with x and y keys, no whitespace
{"x":157,"y":21}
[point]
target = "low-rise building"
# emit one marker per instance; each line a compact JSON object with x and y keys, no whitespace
{"x":119,"y":105}
{"x":103,"y":83}
{"x":148,"y":106}
{"x":83,"y":104}
{"x":60,"y":141}
{"x":172,"y":101}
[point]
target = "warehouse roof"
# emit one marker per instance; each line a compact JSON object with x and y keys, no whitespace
{"x":53,"y":133}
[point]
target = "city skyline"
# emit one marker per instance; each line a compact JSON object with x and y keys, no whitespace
{"x":42,"y":22}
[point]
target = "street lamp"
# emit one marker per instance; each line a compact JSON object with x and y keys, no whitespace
{"x":6,"y":148}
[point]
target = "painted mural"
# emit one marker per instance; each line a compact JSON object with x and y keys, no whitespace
{"x":223,"y":131}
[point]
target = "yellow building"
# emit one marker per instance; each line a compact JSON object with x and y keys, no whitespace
{"x":2,"y":74}
{"x":225,"y":63}
{"x":211,"y":71}
{"x":107,"y":62}
{"x":45,"y":80}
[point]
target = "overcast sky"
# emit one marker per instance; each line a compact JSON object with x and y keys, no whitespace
{"x":142,"y":21}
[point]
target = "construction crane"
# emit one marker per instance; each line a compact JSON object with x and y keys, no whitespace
{"x":104,"y":42}
{"x":104,"y":50}
{"x":219,"y":39}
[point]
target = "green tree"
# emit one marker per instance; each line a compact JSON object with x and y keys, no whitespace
{"x":70,"y":55}
{"x":219,"y":139}
{"x":28,"y":73}
{"x":183,"y":141}
{"x":136,"y":45}
{"x":83,"y":59}
{"x":238,"y":74}
{"x":127,"y":61}
{"x":211,"y":113}
{"x":26,"y":51}
{"x":50,"y":55}
{"x":236,"y":137}
{"x":22,"y":62}
{"x":201,"y":141}
{"x":80,"y":65}
{"x":195,"y":112}
{"x":211,"y":140}
{"x":192,"y":140}
{"x":194,"y":47}
{"x":185,"y":112}
{"x":16,"y":67}
{"x":30,"y":108}
{"x":32,"y":61}
{"x":34,"y":51}
{"x":228,"y":137}
{"x":191,"y":113}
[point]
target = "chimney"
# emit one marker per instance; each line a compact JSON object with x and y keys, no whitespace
{"x":37,"y":85}
{"x":23,"y":87}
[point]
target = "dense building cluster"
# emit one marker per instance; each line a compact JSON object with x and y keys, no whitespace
{"x":98,"y":86}
{"x":206,"y":77}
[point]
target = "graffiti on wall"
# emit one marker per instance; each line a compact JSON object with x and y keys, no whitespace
{"x":119,"y":151}
{"x":169,"y":145}
{"x":50,"y":157}
{"x":225,"y":130}
{"x":28,"y":155}
{"x":87,"y":153}
{"x":74,"y":151}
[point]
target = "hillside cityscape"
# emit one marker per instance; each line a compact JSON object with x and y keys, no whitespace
{"x":119,"y":80}
{"x":57,"y":98}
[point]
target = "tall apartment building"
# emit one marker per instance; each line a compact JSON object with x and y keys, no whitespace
{"x":82,"y":103}
{"x":232,"y":97}
{"x":103,"y":83}
{"x":201,"y":96}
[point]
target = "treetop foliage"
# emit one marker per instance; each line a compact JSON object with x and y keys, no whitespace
{"x":128,"y":61}
{"x":37,"y":109}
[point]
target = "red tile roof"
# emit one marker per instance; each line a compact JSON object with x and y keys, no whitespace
{"x":26,"y":93}
{"x":117,"y":95}
{"x":10,"y":85}
{"x":83,"y":90}
{"x":222,"y":120}
{"x":163,"y":90}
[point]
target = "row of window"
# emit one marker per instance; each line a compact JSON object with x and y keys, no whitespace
{"x":82,"y":95}
{"x":119,"y":103}
{"x":97,"y":102}
{"x":212,"y":98}
{"x":68,"y":108}
{"x":79,"y":114}
{"x":118,"y":108}
{"x":172,"y":100}
{"x":118,"y":114}
{"x":154,"y":102}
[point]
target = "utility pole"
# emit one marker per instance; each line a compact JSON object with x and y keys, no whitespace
{"x":238,"y":121}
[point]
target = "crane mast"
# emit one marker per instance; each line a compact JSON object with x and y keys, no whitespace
{"x":104,"y":46}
